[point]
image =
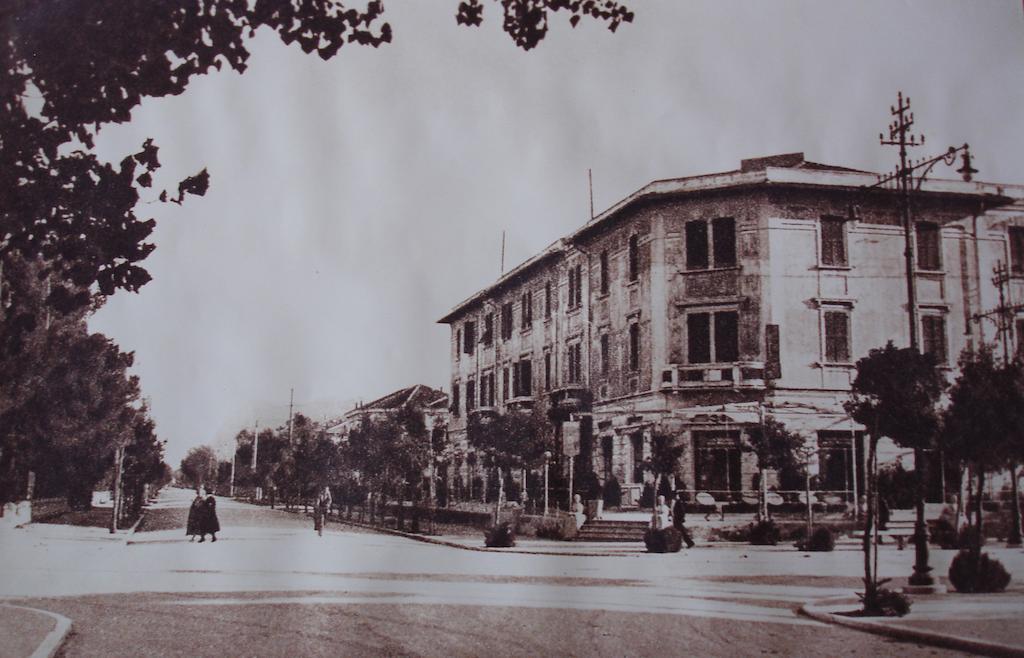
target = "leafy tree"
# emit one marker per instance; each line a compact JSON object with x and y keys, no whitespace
{"x":894,"y":394}
{"x":775,"y":448}
{"x":511,"y":440}
{"x":72,"y":67}
{"x":199,"y":467}
{"x":983,"y":421}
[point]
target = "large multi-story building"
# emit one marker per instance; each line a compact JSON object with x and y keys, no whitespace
{"x":693,"y":305}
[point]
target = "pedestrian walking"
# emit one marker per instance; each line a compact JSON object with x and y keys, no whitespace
{"x":679,"y":518}
{"x":210,"y":524}
{"x":321,"y":510}
{"x":195,"y":516}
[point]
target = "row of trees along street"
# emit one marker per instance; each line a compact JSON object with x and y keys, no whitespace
{"x":69,"y":233}
{"x":975,"y":425}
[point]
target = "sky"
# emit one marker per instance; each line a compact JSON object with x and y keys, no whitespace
{"x":354,"y":202}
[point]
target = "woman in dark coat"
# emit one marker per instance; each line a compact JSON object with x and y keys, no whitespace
{"x":195,"y":516}
{"x":209,"y":524}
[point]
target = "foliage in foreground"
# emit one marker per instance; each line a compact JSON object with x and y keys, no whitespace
{"x":971,"y":572}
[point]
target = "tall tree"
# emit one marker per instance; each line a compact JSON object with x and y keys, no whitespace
{"x":199,"y":467}
{"x":894,"y":394}
{"x":69,"y":68}
{"x":775,"y":448}
{"x":982,"y":423}
{"x":511,"y":440}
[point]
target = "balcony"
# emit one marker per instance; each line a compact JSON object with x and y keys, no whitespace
{"x":742,"y":374}
{"x":572,"y":398}
{"x":520,"y":403}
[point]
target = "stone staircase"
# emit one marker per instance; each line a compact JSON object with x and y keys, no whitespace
{"x":612,"y":530}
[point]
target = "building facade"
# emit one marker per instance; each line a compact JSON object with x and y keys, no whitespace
{"x":694,"y":306}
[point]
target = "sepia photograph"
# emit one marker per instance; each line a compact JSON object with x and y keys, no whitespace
{"x":511,"y":328}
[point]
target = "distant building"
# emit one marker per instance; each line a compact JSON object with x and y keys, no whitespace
{"x":695,"y":304}
{"x":431,"y":402}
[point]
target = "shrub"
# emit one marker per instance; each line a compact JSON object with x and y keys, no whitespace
{"x":500,"y":536}
{"x":945,"y":535}
{"x":880,"y":601}
{"x":562,"y":528}
{"x":612,"y":493}
{"x":822,"y":539}
{"x":982,"y":574}
{"x":666,"y":540}
{"x":763,"y":533}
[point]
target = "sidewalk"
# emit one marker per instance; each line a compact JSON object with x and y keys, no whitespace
{"x":986,"y":624}
{"x":31,"y":632}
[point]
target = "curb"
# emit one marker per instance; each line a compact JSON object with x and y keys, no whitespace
{"x":55,"y":638}
{"x":815,"y":610}
{"x":480,"y":549}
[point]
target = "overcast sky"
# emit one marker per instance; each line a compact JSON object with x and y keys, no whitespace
{"x":353,"y":202}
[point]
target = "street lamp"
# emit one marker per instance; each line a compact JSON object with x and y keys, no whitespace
{"x":547,"y":458}
{"x":921,"y":580}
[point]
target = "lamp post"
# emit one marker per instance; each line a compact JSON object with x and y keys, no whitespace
{"x":547,"y":459}
{"x":921,"y":579}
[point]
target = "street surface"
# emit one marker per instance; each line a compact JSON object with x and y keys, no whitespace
{"x":271,"y":586}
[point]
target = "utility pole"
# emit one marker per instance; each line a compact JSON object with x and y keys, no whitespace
{"x":115,"y":512}
{"x":291,"y":403}
{"x":921,"y":581}
{"x":1004,"y":315}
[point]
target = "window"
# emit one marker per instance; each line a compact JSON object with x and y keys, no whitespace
{"x":547,"y":299}
{"x":504,"y":384}
{"x":721,"y":243}
{"x":527,"y":309}
{"x":506,"y":321}
{"x":634,"y":257}
{"x":604,"y":272}
{"x":706,"y":330}
{"x":458,"y":344}
{"x":727,"y":343}
{"x":470,"y":395}
{"x":837,"y":337}
{"x":575,"y":362}
{"x":698,"y":337}
{"x":488,"y":336}
{"x":634,"y":346}
{"x":547,"y":370}
{"x":933,"y":337}
{"x":469,"y":337}
{"x":1017,"y":249}
{"x":575,"y":286}
{"x":487,"y":389}
{"x":456,"y":389}
{"x":697,"y":245}
{"x":1019,"y":325}
{"x":717,"y":461}
{"x":833,"y":241}
{"x":605,"y":355}
{"x":723,"y":232}
{"x":928,"y":246}
{"x":524,"y":378}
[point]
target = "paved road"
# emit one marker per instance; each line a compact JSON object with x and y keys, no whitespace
{"x":270,"y":586}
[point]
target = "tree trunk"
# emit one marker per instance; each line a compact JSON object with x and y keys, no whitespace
{"x":762,"y":494}
{"x":1015,"y":538}
{"x":870,"y":584}
{"x":501,"y":495}
{"x":978,"y":523}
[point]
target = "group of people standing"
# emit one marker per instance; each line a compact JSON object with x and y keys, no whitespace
{"x":202,"y":518}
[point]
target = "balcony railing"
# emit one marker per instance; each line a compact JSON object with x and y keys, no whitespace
{"x":742,"y":374}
